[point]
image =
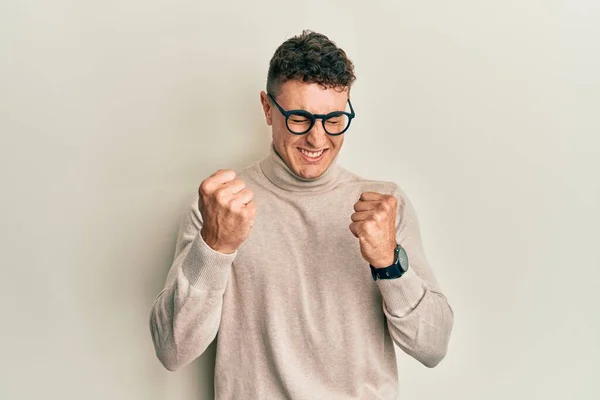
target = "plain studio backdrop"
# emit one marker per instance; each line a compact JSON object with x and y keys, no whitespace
{"x":113,"y":112}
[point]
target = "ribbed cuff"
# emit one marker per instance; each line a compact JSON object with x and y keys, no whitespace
{"x":206,"y":268}
{"x":401,"y":295}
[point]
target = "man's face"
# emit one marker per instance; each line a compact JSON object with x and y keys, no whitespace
{"x":312,"y":97}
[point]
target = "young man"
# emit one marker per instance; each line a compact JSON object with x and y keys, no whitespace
{"x":308,"y":273}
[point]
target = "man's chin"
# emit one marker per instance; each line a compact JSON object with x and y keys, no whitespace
{"x":311,"y":172}
{"x":307,"y":170}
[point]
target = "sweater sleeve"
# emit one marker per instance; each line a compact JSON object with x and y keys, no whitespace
{"x":186,"y":314}
{"x":419,"y":316}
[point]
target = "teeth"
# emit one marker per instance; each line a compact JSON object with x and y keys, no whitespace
{"x":311,"y":154}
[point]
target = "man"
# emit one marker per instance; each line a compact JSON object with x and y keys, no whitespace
{"x":308,"y":272}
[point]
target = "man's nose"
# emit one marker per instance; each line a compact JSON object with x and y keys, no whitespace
{"x":317,"y":136}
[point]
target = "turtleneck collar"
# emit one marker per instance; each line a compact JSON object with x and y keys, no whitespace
{"x":278,"y":172}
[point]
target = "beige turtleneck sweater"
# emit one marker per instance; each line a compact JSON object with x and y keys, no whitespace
{"x":296,"y":309}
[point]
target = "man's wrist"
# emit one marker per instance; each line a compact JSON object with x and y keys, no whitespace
{"x":214,"y":245}
{"x":386,"y":261}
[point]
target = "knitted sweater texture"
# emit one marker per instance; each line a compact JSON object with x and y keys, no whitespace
{"x":295,"y":311}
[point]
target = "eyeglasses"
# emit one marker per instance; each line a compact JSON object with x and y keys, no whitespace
{"x":300,"y":122}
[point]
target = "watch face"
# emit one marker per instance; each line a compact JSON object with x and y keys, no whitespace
{"x":403,"y":259}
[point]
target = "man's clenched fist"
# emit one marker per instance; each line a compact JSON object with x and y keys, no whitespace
{"x":227,"y":210}
{"x":375,"y":227}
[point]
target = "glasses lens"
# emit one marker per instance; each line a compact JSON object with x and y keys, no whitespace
{"x":299,"y":122}
{"x":336,"y":123}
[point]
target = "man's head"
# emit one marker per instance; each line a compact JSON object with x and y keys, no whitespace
{"x":308,"y":72}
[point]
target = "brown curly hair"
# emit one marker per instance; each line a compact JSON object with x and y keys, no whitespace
{"x":310,"y":57}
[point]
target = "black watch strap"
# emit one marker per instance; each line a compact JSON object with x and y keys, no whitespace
{"x":391,"y":272}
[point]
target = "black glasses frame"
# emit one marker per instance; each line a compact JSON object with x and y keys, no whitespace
{"x":314,"y":117}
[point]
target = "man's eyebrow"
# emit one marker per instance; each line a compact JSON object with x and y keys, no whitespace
{"x":303,"y":107}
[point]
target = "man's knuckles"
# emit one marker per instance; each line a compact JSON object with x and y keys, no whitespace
{"x":214,"y":181}
{"x":223,"y":175}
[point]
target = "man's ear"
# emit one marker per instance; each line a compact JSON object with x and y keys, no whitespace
{"x":264,"y":99}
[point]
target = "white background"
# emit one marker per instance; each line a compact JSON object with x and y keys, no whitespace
{"x":113,"y":112}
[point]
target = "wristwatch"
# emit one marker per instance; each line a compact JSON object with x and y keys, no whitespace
{"x":396,"y":270}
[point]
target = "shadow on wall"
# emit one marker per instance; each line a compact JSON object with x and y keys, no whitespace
{"x":204,"y":369}
{"x":151,"y":151}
